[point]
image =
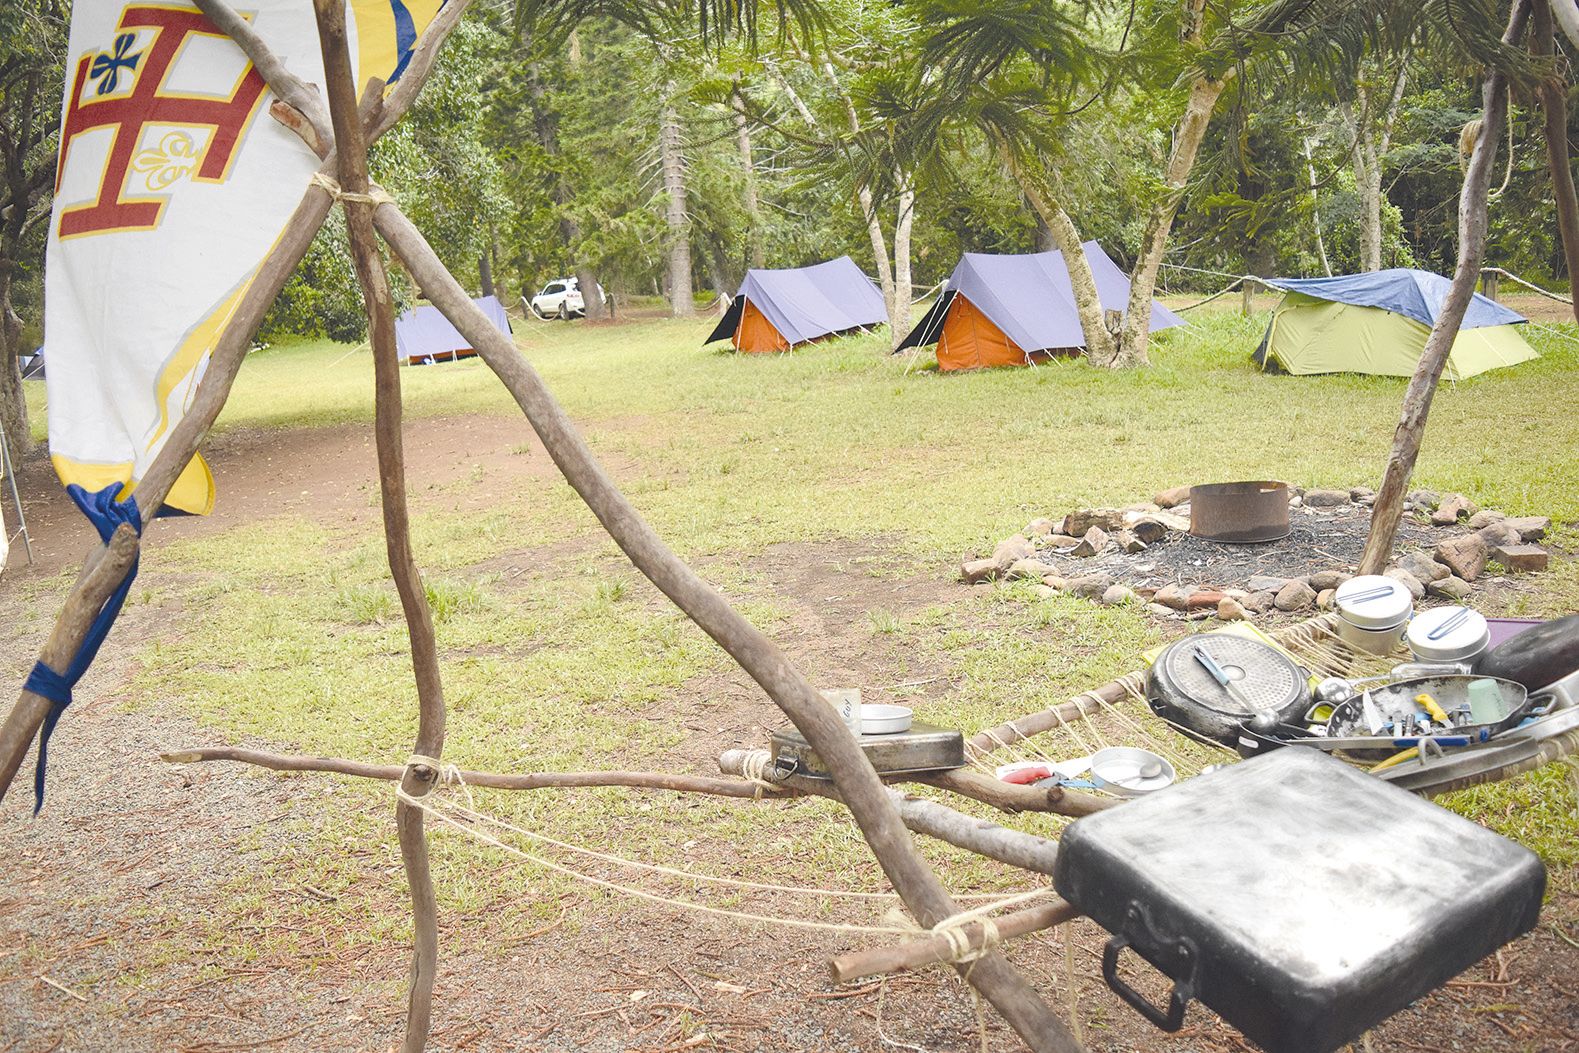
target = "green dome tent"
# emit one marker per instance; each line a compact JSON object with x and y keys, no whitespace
{"x":1378,"y":323}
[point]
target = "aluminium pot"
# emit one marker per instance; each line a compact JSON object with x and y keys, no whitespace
{"x":1183,"y":692}
{"x":1373,"y":613}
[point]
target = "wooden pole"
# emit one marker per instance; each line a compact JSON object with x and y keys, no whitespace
{"x":928,"y":950}
{"x":80,"y":608}
{"x":857,"y":783}
{"x":224,"y":362}
{"x":1553,"y":94}
{"x":103,"y":571}
{"x":537,"y":780}
{"x":418,"y":778}
{"x":1026,"y":851}
{"x":1472,"y":219}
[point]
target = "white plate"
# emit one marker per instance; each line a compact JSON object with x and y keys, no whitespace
{"x":880,"y":719}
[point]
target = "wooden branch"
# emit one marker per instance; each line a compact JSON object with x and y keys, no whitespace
{"x":928,"y":950}
{"x":1007,"y":797}
{"x":1017,"y":849}
{"x":297,"y":122}
{"x":1553,"y":94}
{"x":1032,"y":724}
{"x":288,"y":88}
{"x":417,"y":780}
{"x":410,"y":84}
{"x":213,"y":390}
{"x":1472,"y":221}
{"x":857,"y":783}
{"x":106,"y":566}
{"x":541,"y":780}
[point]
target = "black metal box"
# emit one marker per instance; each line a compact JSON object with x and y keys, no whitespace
{"x":1301,"y":899}
{"x":924,"y":747}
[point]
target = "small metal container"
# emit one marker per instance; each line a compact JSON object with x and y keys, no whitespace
{"x":1448,"y":634}
{"x":1373,"y":612}
{"x":924,"y":747}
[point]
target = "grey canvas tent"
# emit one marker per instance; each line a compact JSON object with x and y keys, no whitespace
{"x":424,"y":336}
{"x":776,"y":310}
{"x":999,"y":310}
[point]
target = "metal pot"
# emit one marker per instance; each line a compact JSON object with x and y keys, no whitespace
{"x":1269,"y":686}
{"x":1448,"y":634}
{"x":1373,"y":612}
{"x":1449,"y":692}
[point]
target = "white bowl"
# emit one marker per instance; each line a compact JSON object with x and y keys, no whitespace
{"x":880,"y":719}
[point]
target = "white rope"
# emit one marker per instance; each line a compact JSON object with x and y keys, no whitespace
{"x":451,"y":775}
{"x":375,"y":195}
{"x":1531,"y":286}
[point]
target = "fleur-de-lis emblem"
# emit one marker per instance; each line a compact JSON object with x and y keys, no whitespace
{"x":174,"y":157}
{"x":107,"y":65}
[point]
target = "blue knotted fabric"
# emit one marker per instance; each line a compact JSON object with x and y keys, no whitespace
{"x":106,"y":514}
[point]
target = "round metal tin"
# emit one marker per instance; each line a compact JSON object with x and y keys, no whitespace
{"x":882,"y":719}
{"x":1460,"y":634}
{"x":1372,"y":601}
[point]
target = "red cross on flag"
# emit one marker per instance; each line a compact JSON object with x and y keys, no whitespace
{"x":173,"y":185}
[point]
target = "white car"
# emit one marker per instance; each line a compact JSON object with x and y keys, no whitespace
{"x":561,"y":298}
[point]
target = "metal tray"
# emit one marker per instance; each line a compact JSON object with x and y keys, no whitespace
{"x":925,"y":747}
{"x":1302,"y":900}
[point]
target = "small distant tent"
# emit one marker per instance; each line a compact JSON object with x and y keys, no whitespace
{"x":1378,"y":323}
{"x":1000,"y":310}
{"x":424,"y":336}
{"x":33,"y":366}
{"x":776,"y":310}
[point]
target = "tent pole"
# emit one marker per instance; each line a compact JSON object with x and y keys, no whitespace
{"x":9,"y":467}
{"x":854,"y":778}
{"x":1472,"y":221}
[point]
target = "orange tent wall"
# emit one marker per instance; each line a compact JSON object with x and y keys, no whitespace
{"x":756,"y":333}
{"x":971,"y":341}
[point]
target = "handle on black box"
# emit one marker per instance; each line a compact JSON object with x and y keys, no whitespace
{"x":1183,"y":987}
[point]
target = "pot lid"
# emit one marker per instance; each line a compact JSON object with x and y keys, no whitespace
{"x":1372,"y":601}
{"x":1447,"y":634}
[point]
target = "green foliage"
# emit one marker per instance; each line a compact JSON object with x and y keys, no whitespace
{"x":322,"y":298}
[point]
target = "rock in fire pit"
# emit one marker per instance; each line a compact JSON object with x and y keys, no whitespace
{"x":1146,"y":552}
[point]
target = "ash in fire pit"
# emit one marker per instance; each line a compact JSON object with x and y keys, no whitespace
{"x":1154,"y":551}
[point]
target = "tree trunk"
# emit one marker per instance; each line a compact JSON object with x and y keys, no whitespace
{"x":1554,"y":107}
{"x":1567,"y":12}
{"x":755,"y":234}
{"x":1315,"y":211}
{"x":1044,"y":233}
{"x":13,"y":406}
{"x":1136,"y":334}
{"x":1368,"y":181}
{"x":1472,"y":221}
{"x":885,"y":265}
{"x":676,"y":213}
{"x":899,"y":313}
{"x":485,"y":274}
{"x":1061,"y":230}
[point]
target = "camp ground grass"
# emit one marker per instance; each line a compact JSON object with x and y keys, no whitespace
{"x":285,"y":631}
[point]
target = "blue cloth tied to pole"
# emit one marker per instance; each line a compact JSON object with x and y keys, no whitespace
{"x":106,"y":514}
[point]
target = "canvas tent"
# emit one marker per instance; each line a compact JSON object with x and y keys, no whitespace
{"x":424,"y":336}
{"x":1378,"y":323}
{"x":1000,"y":310}
{"x":776,"y":310}
{"x":33,"y":366}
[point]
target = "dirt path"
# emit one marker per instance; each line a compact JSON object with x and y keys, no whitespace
{"x":106,"y":916}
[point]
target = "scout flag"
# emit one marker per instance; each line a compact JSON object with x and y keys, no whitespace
{"x":173,"y":185}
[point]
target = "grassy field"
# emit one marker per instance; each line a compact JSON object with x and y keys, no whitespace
{"x":287,"y":631}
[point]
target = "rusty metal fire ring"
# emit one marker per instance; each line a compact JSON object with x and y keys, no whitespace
{"x":1240,"y":513}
